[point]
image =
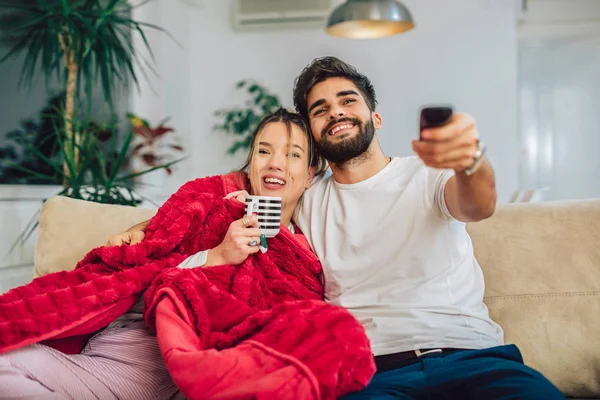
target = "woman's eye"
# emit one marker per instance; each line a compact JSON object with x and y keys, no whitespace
{"x":296,"y":155}
{"x":262,"y":151}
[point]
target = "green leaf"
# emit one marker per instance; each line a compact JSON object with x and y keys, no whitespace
{"x":163,"y":166}
{"x":33,"y":173}
{"x":121,"y":157}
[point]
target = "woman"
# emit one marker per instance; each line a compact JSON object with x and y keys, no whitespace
{"x":217,"y":317}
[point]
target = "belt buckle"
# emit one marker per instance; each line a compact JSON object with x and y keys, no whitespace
{"x":420,"y":353}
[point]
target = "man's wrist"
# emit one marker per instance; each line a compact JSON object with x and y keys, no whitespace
{"x":477,"y":159}
{"x":139,"y":227}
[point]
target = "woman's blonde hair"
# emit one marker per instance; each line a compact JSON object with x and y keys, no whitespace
{"x":288,"y":118}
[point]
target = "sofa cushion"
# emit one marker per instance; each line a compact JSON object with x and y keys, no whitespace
{"x":541,"y":264}
{"x":70,"y":228}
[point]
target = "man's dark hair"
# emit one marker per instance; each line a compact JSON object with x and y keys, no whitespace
{"x":328,"y":67}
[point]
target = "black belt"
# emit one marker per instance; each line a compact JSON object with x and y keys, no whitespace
{"x":388,"y":362}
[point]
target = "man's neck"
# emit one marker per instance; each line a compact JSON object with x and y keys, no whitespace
{"x":362,"y":167}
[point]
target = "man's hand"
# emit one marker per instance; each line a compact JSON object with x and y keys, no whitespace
{"x":129,"y":237}
{"x":469,"y":197}
{"x":452,"y":146}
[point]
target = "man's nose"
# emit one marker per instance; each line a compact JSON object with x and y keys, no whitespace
{"x":336,"y":112}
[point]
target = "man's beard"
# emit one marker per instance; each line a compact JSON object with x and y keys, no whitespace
{"x":346,"y":149}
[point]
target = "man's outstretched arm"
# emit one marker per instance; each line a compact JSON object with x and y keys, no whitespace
{"x":454,"y":146}
{"x":131,"y":236}
{"x":472,"y":198}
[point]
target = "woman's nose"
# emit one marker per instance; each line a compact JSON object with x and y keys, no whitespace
{"x":277,"y":162}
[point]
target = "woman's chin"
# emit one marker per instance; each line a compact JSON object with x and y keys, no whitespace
{"x":272,"y":190}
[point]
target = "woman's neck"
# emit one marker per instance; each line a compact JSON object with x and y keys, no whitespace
{"x":287,"y":213}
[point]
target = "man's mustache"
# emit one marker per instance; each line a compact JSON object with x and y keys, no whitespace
{"x":330,"y":125}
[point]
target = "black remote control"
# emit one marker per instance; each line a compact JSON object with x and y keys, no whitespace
{"x":432,"y":117}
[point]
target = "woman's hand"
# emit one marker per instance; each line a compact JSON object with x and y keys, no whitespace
{"x":240,"y":195}
{"x":240,"y":241}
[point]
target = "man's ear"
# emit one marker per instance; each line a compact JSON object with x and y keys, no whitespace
{"x":377,"y":121}
{"x":311,"y":175}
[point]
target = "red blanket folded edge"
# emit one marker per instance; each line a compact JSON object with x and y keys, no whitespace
{"x":179,"y":310}
{"x":88,"y":324}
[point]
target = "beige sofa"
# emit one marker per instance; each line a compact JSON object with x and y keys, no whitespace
{"x":541,"y":264}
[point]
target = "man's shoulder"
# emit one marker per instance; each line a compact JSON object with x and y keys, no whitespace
{"x":319,"y":183}
{"x":408,"y":161}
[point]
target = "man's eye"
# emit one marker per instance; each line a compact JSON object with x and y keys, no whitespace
{"x":347,"y":101}
{"x":320,"y":111}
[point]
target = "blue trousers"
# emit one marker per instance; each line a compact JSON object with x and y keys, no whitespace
{"x":495,"y":373}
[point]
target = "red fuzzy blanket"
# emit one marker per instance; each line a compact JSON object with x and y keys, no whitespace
{"x":265,"y":315}
{"x":258,"y":329}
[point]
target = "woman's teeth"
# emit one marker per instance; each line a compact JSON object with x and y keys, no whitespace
{"x":274,"y":180}
{"x":339,"y":128}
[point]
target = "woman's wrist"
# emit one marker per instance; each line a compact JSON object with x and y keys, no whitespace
{"x":214,"y":258}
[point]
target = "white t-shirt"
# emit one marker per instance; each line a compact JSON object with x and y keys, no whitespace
{"x":395,"y":258}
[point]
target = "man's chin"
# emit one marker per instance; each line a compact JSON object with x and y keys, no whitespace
{"x":339,"y":138}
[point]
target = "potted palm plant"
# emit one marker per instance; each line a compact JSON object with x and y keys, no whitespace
{"x":81,"y":42}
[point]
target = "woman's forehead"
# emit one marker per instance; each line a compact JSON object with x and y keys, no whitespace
{"x":276,"y":133}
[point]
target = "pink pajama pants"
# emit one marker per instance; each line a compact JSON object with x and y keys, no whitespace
{"x":119,"y":363}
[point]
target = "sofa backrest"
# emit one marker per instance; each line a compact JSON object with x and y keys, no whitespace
{"x":541,"y":263}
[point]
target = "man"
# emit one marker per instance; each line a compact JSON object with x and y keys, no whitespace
{"x":390,"y":233}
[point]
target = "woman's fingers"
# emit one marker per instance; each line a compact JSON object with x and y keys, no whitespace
{"x":253,"y":249}
{"x":248,"y":232}
{"x":248,"y":221}
{"x":239,"y":195}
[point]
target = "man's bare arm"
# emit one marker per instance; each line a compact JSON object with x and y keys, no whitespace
{"x":472,"y":198}
{"x":455,"y":146}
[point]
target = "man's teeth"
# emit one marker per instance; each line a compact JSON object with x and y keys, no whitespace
{"x":339,"y":128}
{"x":274,"y":180}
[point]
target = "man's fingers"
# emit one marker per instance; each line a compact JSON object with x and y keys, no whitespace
{"x":460,"y":122}
{"x":136,"y":237}
{"x":466,"y":142}
{"x":449,"y":156}
{"x":117,"y":240}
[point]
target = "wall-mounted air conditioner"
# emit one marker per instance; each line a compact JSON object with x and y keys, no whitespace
{"x":266,"y":14}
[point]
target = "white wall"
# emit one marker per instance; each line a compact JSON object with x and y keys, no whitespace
{"x":560,"y":123}
{"x":462,"y":52}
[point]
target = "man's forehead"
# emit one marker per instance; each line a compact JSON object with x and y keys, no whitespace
{"x":330,"y":87}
